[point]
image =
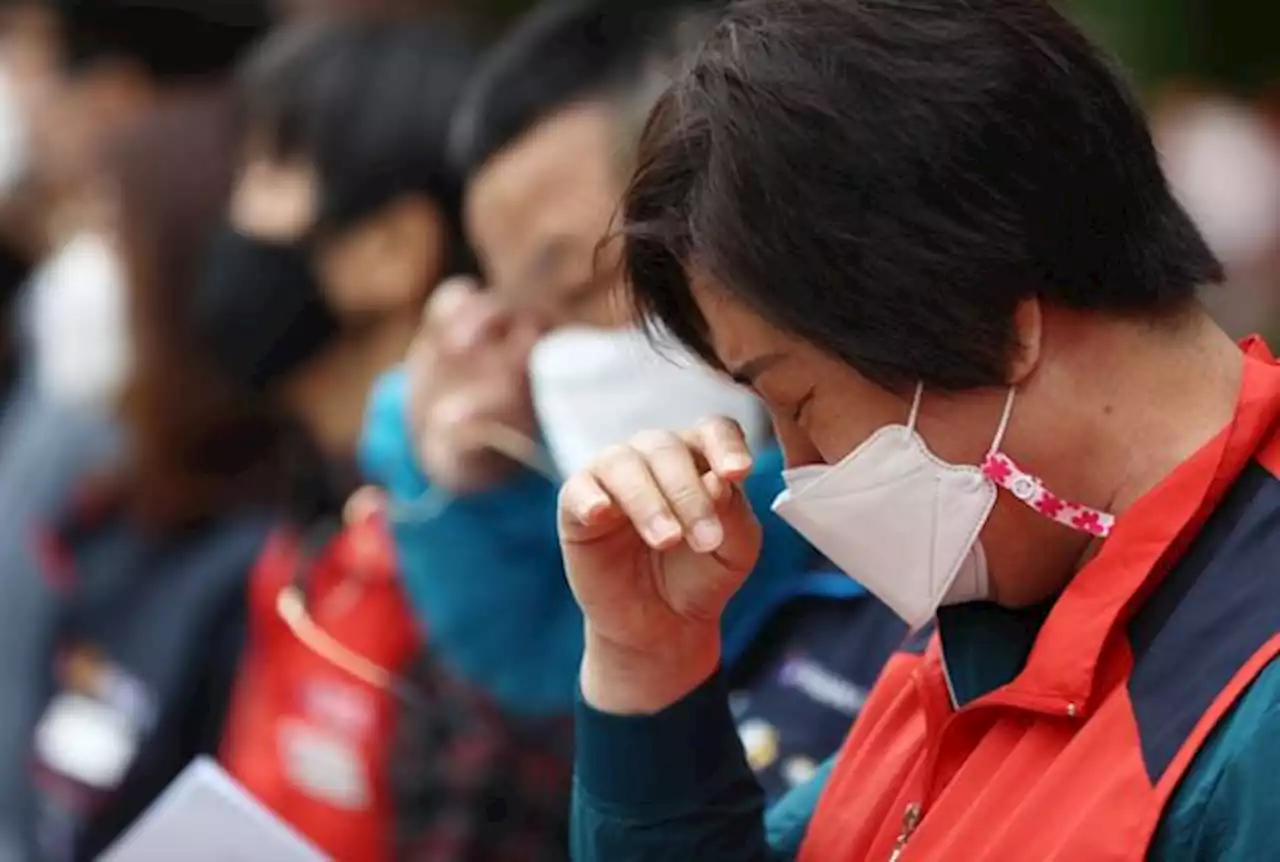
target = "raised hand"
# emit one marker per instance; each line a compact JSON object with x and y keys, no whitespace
{"x":468,"y":373}
{"x":657,"y":536}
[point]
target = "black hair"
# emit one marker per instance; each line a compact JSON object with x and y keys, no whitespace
{"x":888,"y":179}
{"x":368,"y":103}
{"x":563,"y":52}
{"x":169,"y":39}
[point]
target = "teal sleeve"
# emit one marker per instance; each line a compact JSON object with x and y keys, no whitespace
{"x":675,"y":785}
{"x":1227,"y":808}
{"x":483,"y":572}
{"x":787,"y":820}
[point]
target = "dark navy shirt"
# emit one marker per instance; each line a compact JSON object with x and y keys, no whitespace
{"x":141,"y":656}
{"x":797,"y":692}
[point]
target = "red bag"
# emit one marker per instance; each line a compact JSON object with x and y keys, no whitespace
{"x":311,"y":723}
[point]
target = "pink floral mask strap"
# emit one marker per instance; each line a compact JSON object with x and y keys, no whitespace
{"x":1005,"y":472}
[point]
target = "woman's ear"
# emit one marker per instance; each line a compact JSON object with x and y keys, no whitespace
{"x":1028,"y":326}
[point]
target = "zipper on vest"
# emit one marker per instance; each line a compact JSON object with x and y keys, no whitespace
{"x":910,"y":820}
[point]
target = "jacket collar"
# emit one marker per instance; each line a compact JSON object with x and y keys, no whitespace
{"x":1059,"y":674}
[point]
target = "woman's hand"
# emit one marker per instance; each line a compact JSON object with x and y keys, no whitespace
{"x":657,"y":536}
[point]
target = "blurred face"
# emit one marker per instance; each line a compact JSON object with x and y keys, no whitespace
{"x":386,"y":262}
{"x":536,"y":215}
{"x":537,"y":212}
{"x":310,"y":313}
{"x":383,"y":262}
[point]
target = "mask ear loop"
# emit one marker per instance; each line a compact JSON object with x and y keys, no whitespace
{"x":1004,"y":421}
{"x":495,"y":436}
{"x":915,"y":406}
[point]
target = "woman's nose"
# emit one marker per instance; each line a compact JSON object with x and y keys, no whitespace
{"x":797,"y":449}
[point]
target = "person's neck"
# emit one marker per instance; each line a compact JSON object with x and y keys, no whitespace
{"x":1120,"y":407}
{"x":331,"y":394}
{"x":1148,"y":403}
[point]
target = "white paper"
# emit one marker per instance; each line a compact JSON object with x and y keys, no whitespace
{"x":205,"y":816}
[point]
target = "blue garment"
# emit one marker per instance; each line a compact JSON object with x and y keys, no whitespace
{"x":158,"y":620}
{"x":160,"y":623}
{"x":44,"y":450}
{"x":502,"y":543}
{"x":794,"y":694}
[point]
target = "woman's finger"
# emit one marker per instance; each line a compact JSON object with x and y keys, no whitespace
{"x":724,"y":446}
{"x":624,"y":475}
{"x":584,"y":506}
{"x":673,"y":468}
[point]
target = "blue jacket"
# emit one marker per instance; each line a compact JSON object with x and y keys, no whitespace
{"x":485,"y":576}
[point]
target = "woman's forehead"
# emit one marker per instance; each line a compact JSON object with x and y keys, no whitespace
{"x":735,"y":332}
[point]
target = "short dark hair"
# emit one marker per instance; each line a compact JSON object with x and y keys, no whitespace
{"x":368,"y":103}
{"x":561,"y":53}
{"x":888,"y":179}
{"x":170,"y":39}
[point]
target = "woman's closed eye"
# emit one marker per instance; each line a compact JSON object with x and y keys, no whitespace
{"x":797,"y":412}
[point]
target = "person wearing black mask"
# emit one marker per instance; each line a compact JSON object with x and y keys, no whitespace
{"x":343,"y":218}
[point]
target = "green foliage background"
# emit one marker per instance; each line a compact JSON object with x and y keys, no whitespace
{"x":1233,"y":43}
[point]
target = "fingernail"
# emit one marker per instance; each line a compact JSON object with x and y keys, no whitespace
{"x":736,"y":462}
{"x":663,"y":529}
{"x":707,"y":536}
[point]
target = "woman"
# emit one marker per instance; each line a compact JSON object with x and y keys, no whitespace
{"x":147,"y":559}
{"x":935,"y":239}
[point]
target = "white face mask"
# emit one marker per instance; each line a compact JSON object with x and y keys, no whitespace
{"x":593,"y":388}
{"x":905,"y":524}
{"x":79,"y":320}
{"x":14,"y":141}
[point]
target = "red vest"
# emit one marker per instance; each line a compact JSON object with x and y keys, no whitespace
{"x":306,"y":737}
{"x":1069,"y":761}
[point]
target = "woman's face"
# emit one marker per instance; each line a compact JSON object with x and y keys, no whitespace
{"x":823,"y":410}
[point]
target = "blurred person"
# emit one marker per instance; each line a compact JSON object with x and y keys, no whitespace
{"x":118,"y":61}
{"x":345,"y":215}
{"x":49,"y":441}
{"x":936,"y":239}
{"x":144,"y":563}
{"x":545,"y":132}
